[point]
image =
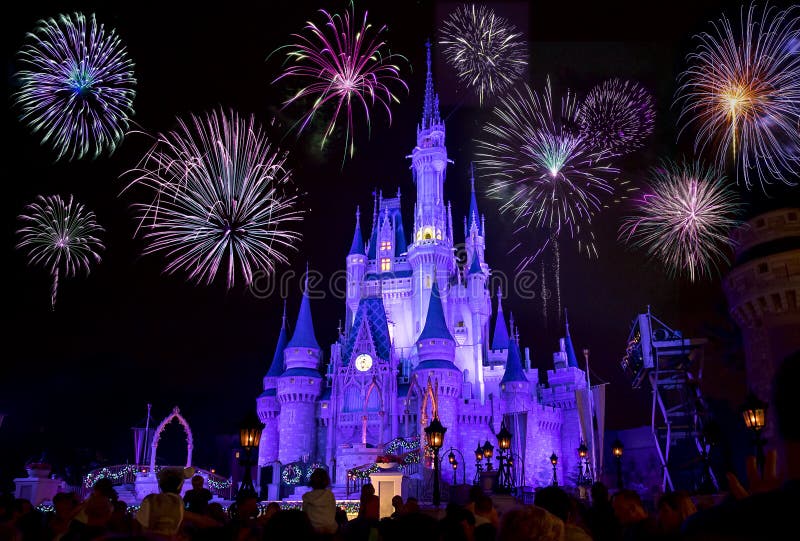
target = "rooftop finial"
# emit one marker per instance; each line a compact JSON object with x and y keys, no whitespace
{"x":430,"y":108}
{"x":283,"y":322}
{"x":566,"y":320}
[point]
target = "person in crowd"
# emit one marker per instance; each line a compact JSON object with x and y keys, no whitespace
{"x":120,"y":522}
{"x":634,"y":521}
{"x":64,"y":508}
{"x":486,"y":519}
{"x":555,"y":500}
{"x":97,"y":510}
{"x":366,"y":526}
{"x":530,"y":523}
{"x":197,"y":497}
{"x":290,"y":525}
{"x":160,"y":515}
{"x":320,"y":504}
{"x":673,"y":509}
{"x":244,"y":524}
{"x":412,"y":506}
{"x":457,"y":525}
{"x":602,"y":522}
{"x":216,"y":512}
{"x":341,"y":516}
{"x":768,"y":510}
{"x":273,"y":508}
{"x":397,"y":505}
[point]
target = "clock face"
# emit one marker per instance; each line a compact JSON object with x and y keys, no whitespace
{"x":364,"y":362}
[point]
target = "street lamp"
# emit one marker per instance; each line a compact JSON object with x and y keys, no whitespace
{"x":554,"y":462}
{"x":754,"y":412}
{"x":249,"y":437}
{"x":504,"y":480}
{"x":616,"y":449}
{"x":453,"y":462}
{"x":434,"y":434}
{"x":584,"y":475}
{"x":478,"y":464}
{"x":488,"y":452}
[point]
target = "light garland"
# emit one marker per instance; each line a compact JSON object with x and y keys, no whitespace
{"x":313,"y":466}
{"x":292,"y":474}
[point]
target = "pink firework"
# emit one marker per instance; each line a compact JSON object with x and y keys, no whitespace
{"x":343,"y":65}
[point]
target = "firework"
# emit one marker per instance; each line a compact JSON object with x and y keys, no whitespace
{"x":60,"y":236}
{"x":485,"y":50}
{"x":617,"y":116}
{"x":220,"y":199}
{"x":684,"y":218}
{"x":742,"y":92}
{"x":541,"y":168}
{"x":342,"y":67}
{"x":77,"y":87}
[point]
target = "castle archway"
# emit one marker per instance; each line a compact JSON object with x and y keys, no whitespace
{"x":175,"y":415}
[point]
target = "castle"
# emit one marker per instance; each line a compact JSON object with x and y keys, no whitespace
{"x":417,"y":343}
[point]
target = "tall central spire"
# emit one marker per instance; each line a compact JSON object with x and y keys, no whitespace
{"x":430,"y":111}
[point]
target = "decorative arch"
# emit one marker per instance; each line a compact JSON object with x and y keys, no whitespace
{"x":176,"y":414}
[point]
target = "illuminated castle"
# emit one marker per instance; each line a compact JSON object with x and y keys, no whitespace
{"x":417,"y":342}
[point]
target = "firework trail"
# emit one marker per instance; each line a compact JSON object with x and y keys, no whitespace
{"x":343,"y":66}
{"x":684,"y":219}
{"x":219,"y":199}
{"x":77,"y":86}
{"x":617,"y":116}
{"x":485,"y":50}
{"x":60,"y":236}
{"x":741,"y":91}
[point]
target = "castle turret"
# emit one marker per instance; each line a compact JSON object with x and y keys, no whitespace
{"x":474,"y":234}
{"x":299,"y":387}
{"x":480,"y":310}
{"x":436,"y":351}
{"x":514,"y":386}
{"x":267,"y":403}
{"x":500,"y":336}
{"x":356,"y":268}
{"x":433,"y":245}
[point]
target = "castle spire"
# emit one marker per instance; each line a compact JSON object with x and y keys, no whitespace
{"x":474,"y":217}
{"x":357,"y":247}
{"x":430,"y":110}
{"x":475,"y":266}
{"x":514,"y":371}
{"x":500,"y":337}
{"x":572,"y":360}
{"x":303,"y":336}
{"x":435,"y":323}
{"x":276,"y":368}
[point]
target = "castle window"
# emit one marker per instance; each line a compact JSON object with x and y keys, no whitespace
{"x":427,"y":282}
{"x":386,"y":264}
{"x":386,"y":245}
{"x":427,"y":233}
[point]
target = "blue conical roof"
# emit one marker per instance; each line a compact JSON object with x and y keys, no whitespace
{"x":303,"y":336}
{"x":572,"y":360}
{"x":514,"y":371}
{"x":435,"y":323}
{"x":475,"y":266}
{"x":276,"y":368}
{"x":357,"y":247}
{"x":500,"y":337}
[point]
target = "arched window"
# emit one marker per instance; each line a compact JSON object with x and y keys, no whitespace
{"x":427,"y":233}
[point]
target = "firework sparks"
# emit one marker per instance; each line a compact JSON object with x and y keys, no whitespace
{"x":485,"y":50}
{"x":220,"y":199}
{"x":617,"y":116}
{"x":60,"y":236}
{"x":542,"y":168}
{"x":684,"y":219}
{"x":77,"y":87}
{"x":342,"y":65}
{"x":742,"y":91}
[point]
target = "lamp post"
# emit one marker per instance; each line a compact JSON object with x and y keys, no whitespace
{"x":453,"y":462}
{"x":554,"y":462}
{"x":616,"y":449}
{"x":249,"y":437}
{"x":478,"y":464}
{"x":434,"y":433}
{"x":584,"y":473}
{"x":754,"y":412}
{"x":504,"y":481}
{"x":488,"y":452}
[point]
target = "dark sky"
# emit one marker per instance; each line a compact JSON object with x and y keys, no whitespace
{"x":129,"y":335}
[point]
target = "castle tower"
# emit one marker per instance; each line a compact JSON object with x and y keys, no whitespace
{"x":474,"y":234}
{"x":436,"y":351}
{"x":479,"y":307}
{"x":356,"y":268}
{"x":432,"y":248}
{"x":515,"y":388}
{"x":762,"y":291}
{"x":267,"y":404}
{"x":500,"y":336}
{"x":298,"y":389}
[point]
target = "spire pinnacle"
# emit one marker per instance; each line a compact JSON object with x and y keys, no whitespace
{"x":500,"y":336}
{"x":276,"y":367}
{"x":572,"y":360}
{"x":303,"y":335}
{"x":357,"y":246}
{"x":430,"y":111}
{"x":283,"y":320}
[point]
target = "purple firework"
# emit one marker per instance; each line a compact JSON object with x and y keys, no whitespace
{"x":77,"y":87}
{"x":684,"y":218}
{"x":342,"y":65}
{"x":61,"y":236}
{"x":617,"y":116}
{"x":220,"y":198}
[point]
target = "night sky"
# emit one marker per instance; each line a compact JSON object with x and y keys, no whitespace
{"x":81,"y":376}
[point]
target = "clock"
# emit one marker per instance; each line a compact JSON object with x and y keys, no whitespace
{"x":364,"y":362}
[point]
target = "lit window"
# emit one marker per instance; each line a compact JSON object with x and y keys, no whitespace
{"x":386,"y":245}
{"x":427,"y":282}
{"x":386,"y":264}
{"x":427,"y":233}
